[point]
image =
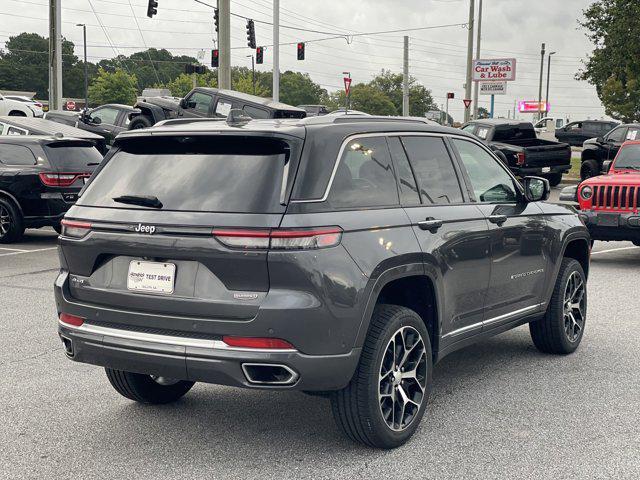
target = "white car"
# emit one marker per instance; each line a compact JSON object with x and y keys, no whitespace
{"x":17,"y":108}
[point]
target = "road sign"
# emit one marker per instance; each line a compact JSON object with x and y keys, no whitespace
{"x":532,"y":106}
{"x":347,"y":85}
{"x":467,"y":102}
{"x":450,"y":95}
{"x":71,"y":105}
{"x":494,"y":70}
{"x":493,"y":88}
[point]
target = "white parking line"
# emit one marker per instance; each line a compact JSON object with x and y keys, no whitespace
{"x":22,"y":252}
{"x":613,"y":250}
{"x":13,"y":249}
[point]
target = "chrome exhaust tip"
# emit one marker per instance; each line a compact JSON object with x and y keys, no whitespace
{"x":269,"y":374}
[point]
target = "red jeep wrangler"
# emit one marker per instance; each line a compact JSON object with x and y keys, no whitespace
{"x":609,"y":202}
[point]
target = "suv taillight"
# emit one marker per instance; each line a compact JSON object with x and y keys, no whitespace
{"x":520,"y":158}
{"x":62,"y":179}
{"x":74,"y":229}
{"x":279,"y":239}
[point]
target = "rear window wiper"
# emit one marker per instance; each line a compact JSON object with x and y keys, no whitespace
{"x":142,"y":200}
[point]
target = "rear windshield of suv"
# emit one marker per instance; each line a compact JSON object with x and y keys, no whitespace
{"x":77,"y":157}
{"x":203,"y":174}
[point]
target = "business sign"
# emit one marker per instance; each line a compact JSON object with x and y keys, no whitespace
{"x":494,"y":70}
{"x":532,"y":106}
{"x":493,"y":88}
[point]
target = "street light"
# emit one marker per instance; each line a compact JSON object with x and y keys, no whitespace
{"x":253,"y":72}
{"x":86,"y":72}
{"x":548,"y":75}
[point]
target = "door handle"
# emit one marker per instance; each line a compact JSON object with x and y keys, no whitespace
{"x":430,"y":224}
{"x":497,"y":219}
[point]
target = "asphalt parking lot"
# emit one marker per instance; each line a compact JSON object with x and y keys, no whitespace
{"x":500,"y":409}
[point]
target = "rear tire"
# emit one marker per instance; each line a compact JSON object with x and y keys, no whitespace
{"x":562,"y":327}
{"x":589,"y":169}
{"x":11,"y":223}
{"x":554,"y":179}
{"x":145,"y":389}
{"x":383,"y":404}
{"x":140,"y":122}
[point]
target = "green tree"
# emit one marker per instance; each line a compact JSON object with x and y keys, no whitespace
{"x":613,"y":26}
{"x":183,"y":83}
{"x":298,"y":89}
{"x":365,"y":98}
{"x":420,"y":99}
{"x":113,"y":87}
{"x":483,"y":112}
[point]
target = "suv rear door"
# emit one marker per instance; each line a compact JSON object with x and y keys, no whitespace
{"x":453,"y":234}
{"x":217,"y":201}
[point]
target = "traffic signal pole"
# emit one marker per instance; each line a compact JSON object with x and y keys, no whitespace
{"x":224,"y":44}
{"x":467,"y":87}
{"x":405,"y":79}
{"x":276,"y":50}
{"x":55,"y":55}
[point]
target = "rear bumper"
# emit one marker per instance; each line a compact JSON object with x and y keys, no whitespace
{"x":203,"y":359}
{"x":627,"y":226}
{"x":539,"y":171}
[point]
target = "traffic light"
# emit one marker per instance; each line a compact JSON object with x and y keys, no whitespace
{"x":215,"y":56}
{"x":251,"y":34}
{"x":200,"y":69}
{"x":259,"y":55}
{"x":450,"y":95}
{"x":190,"y":68}
{"x":152,"y":8}
{"x":301,"y":51}
{"x":216,"y":18}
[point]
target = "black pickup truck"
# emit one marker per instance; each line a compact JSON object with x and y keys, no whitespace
{"x":203,"y":102}
{"x":523,"y":152}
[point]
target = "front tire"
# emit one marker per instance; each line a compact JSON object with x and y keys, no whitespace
{"x":554,"y":179}
{"x":589,"y":169}
{"x":561,"y":329}
{"x":11,"y":223}
{"x":383,"y":404}
{"x":147,"y":388}
{"x":140,"y":122}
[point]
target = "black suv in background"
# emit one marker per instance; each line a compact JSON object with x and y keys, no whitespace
{"x":40,"y":177}
{"x":342,"y":255}
{"x":576,"y":133}
{"x":203,"y":102}
{"x":598,"y":150}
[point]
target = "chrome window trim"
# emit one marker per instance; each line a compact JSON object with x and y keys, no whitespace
{"x":493,"y":320}
{"x":166,"y":339}
{"x":348,"y":139}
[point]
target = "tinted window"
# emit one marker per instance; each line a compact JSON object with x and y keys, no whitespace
{"x":433,"y":168}
{"x":364,"y":177}
{"x":574,"y":126}
{"x":617,"y":135}
{"x":514,"y":132}
{"x":490,"y":182}
{"x":240,"y":174}
{"x":200,"y":103}
{"x":408,"y":188}
{"x":591,"y":127}
{"x":77,"y":157}
{"x":16,"y":155}
{"x":106,"y":115}
{"x":254,"y":112}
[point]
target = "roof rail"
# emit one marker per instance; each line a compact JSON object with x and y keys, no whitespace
{"x":181,"y":121}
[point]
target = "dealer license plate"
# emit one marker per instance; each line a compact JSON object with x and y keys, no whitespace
{"x":546,"y":169}
{"x":608,"y":220}
{"x":151,"y":277}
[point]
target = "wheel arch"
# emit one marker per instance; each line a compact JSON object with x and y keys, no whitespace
{"x":17,"y":113}
{"x":12,"y":199}
{"x":408,"y":286}
{"x":154,"y":112}
{"x":580,"y":250}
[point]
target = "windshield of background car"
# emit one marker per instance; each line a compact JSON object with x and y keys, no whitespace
{"x":629,"y":157}
{"x":235,"y":174}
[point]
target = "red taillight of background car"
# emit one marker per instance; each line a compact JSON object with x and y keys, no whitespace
{"x":72,"y":320}
{"x":63,"y":179}
{"x":520,"y":159}
{"x":279,"y":239}
{"x":75,"y":229}
{"x":257,"y":342}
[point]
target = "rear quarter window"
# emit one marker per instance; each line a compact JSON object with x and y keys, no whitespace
{"x":16,"y":155}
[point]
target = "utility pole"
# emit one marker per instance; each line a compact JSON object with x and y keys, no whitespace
{"x":478,"y":38}
{"x":540,"y":84}
{"x":276,"y":50}
{"x":55,"y":55}
{"x":224,"y":44}
{"x":86,"y":71}
{"x":467,"y":87}
{"x":405,"y":79}
{"x":546,"y":103}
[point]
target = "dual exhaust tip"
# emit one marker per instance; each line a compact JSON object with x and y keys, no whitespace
{"x":269,"y":374}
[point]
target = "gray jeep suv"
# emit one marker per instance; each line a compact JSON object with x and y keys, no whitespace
{"x":341,"y":256}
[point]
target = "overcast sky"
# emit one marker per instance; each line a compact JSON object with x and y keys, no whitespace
{"x":510,"y":28}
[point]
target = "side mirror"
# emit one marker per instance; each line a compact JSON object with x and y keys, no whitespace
{"x":600,"y":140}
{"x":569,"y":194}
{"x":184,"y":103}
{"x":95,"y":120}
{"x":606,"y":166}
{"x":536,"y":189}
